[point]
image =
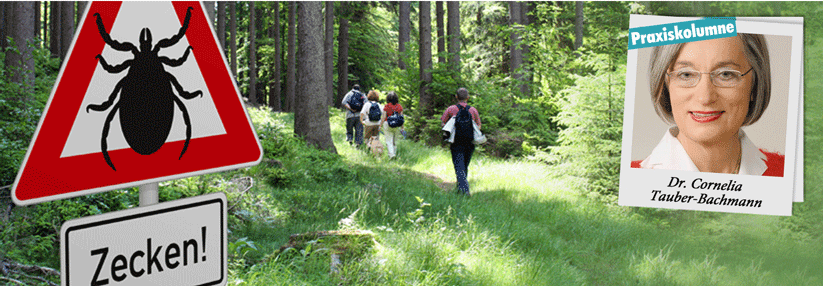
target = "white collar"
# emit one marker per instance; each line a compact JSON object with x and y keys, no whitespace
{"x":669,"y":154}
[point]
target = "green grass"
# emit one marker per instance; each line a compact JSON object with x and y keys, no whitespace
{"x":522,"y":226}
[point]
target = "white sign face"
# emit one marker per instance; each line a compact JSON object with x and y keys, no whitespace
{"x":182,"y":242}
{"x":84,"y":136}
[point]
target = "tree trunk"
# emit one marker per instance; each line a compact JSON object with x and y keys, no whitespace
{"x":269,"y":84}
{"x":291,"y":81}
{"x":45,"y":23}
{"x":67,"y":28}
{"x":524,"y":49}
{"x":404,"y":32}
{"x":274,"y":98}
{"x":37,"y":19}
{"x":310,"y":120}
{"x":516,"y":60}
{"x":210,"y":10}
{"x":4,"y":20}
{"x":425,"y":61}
{"x":252,"y":54}
{"x":328,"y":53}
{"x":241,"y":41}
{"x":479,"y":16}
{"x":291,"y":42}
{"x":21,"y":31}
{"x":81,"y":7}
{"x":233,"y":38}
{"x":524,"y":20}
{"x":578,"y":26}
{"x":343,"y":54}
{"x":260,"y":10}
{"x":221,"y":25}
{"x":514,"y":50}
{"x":54,"y":29}
{"x":441,"y":35}
{"x":454,"y":35}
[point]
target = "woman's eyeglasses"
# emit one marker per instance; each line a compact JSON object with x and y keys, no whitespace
{"x":720,"y":78}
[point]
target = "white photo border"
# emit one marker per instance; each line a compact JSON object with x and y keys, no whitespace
{"x":775,"y":193}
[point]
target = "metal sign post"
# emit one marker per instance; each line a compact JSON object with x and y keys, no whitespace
{"x":149,"y":194}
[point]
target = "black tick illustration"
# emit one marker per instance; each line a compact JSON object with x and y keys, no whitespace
{"x":146,"y":104}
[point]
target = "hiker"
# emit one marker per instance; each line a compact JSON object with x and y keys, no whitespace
{"x":353,"y":102}
{"x":392,"y":132}
{"x":371,"y":114}
{"x":462,"y":147}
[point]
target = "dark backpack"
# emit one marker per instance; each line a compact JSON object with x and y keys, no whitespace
{"x":395,"y":120}
{"x":463,"y":128}
{"x":356,"y":101}
{"x":374,"y":112}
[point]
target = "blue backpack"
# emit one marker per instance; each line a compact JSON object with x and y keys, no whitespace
{"x":374,"y":112}
{"x":356,"y":101}
{"x":395,"y":120}
{"x":464,"y":130}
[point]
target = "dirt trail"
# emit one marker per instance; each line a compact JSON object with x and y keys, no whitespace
{"x":444,"y":185}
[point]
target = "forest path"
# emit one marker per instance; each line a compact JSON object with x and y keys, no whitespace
{"x":526,"y":223}
{"x":446,"y":186}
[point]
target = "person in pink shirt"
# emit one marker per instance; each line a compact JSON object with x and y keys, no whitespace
{"x":461,"y":149}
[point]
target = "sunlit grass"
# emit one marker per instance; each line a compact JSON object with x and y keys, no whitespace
{"x":517,"y":199}
{"x":522,"y":226}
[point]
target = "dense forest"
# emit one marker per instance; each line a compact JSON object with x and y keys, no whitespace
{"x":548,"y":79}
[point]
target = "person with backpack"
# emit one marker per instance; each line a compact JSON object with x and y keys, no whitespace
{"x":353,"y":102}
{"x":371,"y":114}
{"x":392,"y":123}
{"x":462,"y":147}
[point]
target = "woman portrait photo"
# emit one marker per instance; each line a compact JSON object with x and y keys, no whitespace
{"x":706,"y":93}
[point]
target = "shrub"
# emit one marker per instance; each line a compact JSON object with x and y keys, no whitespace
{"x":19,"y":118}
{"x":592,"y":120}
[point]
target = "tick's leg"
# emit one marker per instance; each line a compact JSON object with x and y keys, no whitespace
{"x":179,"y":88}
{"x":174,"y":39}
{"x":125,"y":47}
{"x":113,"y":69}
{"x":105,"y":105}
{"x":177,"y":62}
{"x":103,"y":144}
{"x":188,"y":124}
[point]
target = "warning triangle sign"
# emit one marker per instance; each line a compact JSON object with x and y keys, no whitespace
{"x":144,"y":95}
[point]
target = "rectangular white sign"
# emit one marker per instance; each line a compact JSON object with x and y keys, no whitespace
{"x":182,"y":242}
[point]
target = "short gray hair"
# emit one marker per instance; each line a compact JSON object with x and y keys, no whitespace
{"x":462,"y":93}
{"x":757,"y":54}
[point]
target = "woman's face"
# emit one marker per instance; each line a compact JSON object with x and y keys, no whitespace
{"x":705,"y":113}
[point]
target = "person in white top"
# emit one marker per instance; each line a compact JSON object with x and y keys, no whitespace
{"x":709,"y":90}
{"x":669,"y":154}
{"x":371,"y":126}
